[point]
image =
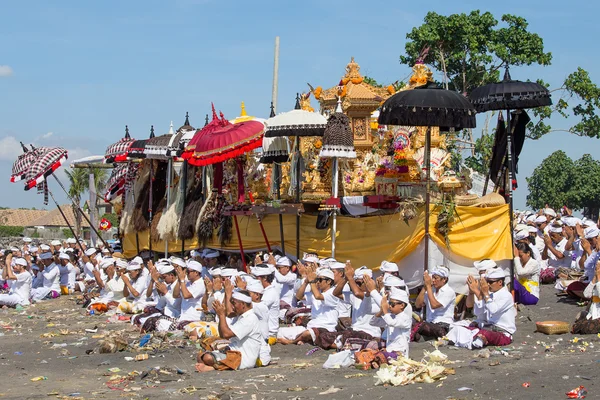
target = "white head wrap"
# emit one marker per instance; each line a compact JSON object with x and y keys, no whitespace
{"x":362,"y":272}
{"x":262,"y":270}
{"x":440,"y":271}
{"x":325,"y":273}
{"x":178,"y":261}
{"x":555,"y":228}
{"x":522,"y":234}
{"x":310,"y":259}
{"x":27,"y":239}
{"x":90,"y":252}
{"x":33,"y":249}
{"x":337,"y":265}
{"x":541,"y":220}
{"x":399,"y":295}
{"x":495,"y":273}
{"x":20,"y":261}
{"x":212,"y":254}
{"x":255,"y":286}
{"x":227,"y":272}
{"x":56,"y":243}
{"x":216,"y":271}
{"x":122,"y":263}
{"x":393,"y":281}
{"x":45,"y":256}
{"x":64,"y":256}
{"x":387,"y":266}
{"x":71,"y":241}
{"x":194,"y":265}
{"x":550,"y":212}
{"x":591,"y":232}
{"x":44,"y":247}
{"x":284,"y":262}
{"x":484,"y":265}
{"x":241,"y":297}
{"x":133,"y":266}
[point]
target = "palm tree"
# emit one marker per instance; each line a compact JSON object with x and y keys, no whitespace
{"x":79,"y":183}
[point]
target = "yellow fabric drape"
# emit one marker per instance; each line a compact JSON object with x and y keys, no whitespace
{"x":476,"y":233}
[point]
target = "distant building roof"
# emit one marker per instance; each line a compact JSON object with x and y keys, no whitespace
{"x":54,"y":218}
{"x":17,"y":217}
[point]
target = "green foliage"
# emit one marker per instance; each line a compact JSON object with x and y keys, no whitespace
{"x":6,"y":231}
{"x":552,"y":182}
{"x":585,"y":190}
{"x":67,"y":233}
{"x":371,"y":81}
{"x":578,"y":97}
{"x":470,"y":49}
{"x":483,"y":154}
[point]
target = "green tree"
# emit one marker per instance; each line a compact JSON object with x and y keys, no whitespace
{"x":585,"y":190}
{"x":78,"y":184}
{"x":470,"y":50}
{"x":480,"y":162}
{"x":551,"y":183}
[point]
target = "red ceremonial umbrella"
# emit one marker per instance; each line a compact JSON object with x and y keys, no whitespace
{"x":220,"y":140}
{"x":21,"y":166}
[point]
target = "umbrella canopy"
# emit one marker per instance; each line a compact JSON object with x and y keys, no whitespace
{"x":21,"y":166}
{"x":510,"y":95}
{"x":428,"y":105}
{"x":221,"y":140}
{"x":117,"y":152}
{"x":296,"y":123}
{"x":47,"y":160}
{"x":120,"y":175}
{"x":138,"y":147}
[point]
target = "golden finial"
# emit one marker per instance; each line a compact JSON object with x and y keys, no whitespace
{"x":352,"y":73}
{"x":243,"y":113}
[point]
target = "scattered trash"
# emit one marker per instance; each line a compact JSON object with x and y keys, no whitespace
{"x":145,"y":339}
{"x":312,"y":351}
{"x":354,"y":375}
{"x":583,"y":377}
{"x":141,"y":357}
{"x":18,"y":353}
{"x":577,"y":393}
{"x":494,"y":363}
{"x":404,"y":370}
{"x":465,"y":389}
{"x":114,"y":370}
{"x":331,"y":390}
{"x":296,"y":389}
{"x":526,"y":384}
{"x":129,"y":358}
{"x":94,"y":330}
{"x":39,"y":378}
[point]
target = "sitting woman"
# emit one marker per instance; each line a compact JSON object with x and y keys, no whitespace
{"x":527,"y":282}
{"x":589,"y":323}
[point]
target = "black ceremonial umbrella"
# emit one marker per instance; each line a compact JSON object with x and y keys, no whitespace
{"x":428,"y":105}
{"x":510,"y":95}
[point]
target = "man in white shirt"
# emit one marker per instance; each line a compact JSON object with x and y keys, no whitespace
{"x":164,"y":279}
{"x":51,"y":279}
{"x":256,"y":289}
{"x":191,"y":293}
{"x":364,"y":309}
{"x":555,"y":248}
{"x":265,"y":273}
{"x":19,"y":282}
{"x":243,"y":332}
{"x":68,"y":273}
{"x":324,"y":306}
{"x":438,"y":298}
{"x":495,"y":309}
{"x":285,"y":279}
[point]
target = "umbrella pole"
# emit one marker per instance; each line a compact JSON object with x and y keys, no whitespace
{"x":66,"y":221}
{"x":150,"y":207}
{"x":169,"y":183}
{"x":277,"y":171}
{"x":237,"y":230}
{"x":298,"y":155}
{"x":106,"y":245}
{"x":510,"y":198}
{"x":427,"y":194}
{"x":184,"y":171}
{"x":335,"y":195}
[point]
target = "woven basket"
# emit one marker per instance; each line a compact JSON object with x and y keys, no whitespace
{"x":553,"y":327}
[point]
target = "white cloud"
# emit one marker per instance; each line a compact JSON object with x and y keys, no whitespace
{"x":5,"y":71}
{"x":47,"y":135}
{"x":10,"y":148}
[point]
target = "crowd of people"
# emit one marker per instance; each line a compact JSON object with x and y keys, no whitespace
{"x":238,"y":315}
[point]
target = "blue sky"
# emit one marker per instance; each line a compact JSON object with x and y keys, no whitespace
{"x":74,"y":73}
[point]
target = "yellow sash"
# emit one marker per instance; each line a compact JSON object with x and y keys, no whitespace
{"x":528,"y":283}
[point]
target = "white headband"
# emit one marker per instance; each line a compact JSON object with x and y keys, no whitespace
{"x":241,"y":297}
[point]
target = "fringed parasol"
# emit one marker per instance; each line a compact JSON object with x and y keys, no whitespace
{"x":21,"y":166}
{"x":221,"y":140}
{"x":117,"y":182}
{"x":118,"y":152}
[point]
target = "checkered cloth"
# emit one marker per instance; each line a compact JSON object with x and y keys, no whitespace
{"x":21,"y":166}
{"x":119,"y":149}
{"x":48,"y":160}
{"x":136,"y":150}
{"x":118,"y":178}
